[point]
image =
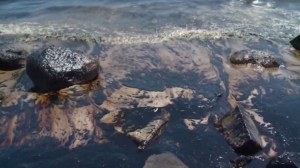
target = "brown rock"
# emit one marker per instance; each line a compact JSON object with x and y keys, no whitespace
{"x":150,"y":132}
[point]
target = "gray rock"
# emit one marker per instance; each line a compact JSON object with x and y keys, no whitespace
{"x":296,"y":42}
{"x":150,"y":132}
{"x":281,"y":162}
{"x":164,"y":160}
{"x":254,"y":57}
{"x":240,"y":132}
{"x":55,"y":68}
{"x":12,"y":58}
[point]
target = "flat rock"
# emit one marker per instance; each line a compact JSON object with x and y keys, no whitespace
{"x":164,"y":160}
{"x":281,"y":162}
{"x":296,"y":42}
{"x":261,"y":58}
{"x":55,"y":68}
{"x":12,"y":58}
{"x":150,"y":132}
{"x":240,"y":132}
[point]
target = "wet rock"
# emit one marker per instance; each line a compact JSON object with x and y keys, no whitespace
{"x":242,"y":57}
{"x":55,"y":68}
{"x":281,"y":162}
{"x":146,"y":135}
{"x":241,"y":161}
{"x":164,"y":160}
{"x":296,"y":42}
{"x":12,"y":59}
{"x":254,"y":57}
{"x":240,"y":132}
{"x":1,"y":96}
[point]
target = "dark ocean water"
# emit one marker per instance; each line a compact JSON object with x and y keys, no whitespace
{"x":176,"y":52}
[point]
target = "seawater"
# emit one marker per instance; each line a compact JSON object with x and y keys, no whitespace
{"x":175,"y":54}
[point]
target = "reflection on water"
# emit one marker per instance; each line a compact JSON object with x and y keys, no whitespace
{"x":153,"y":60}
{"x":191,"y":79}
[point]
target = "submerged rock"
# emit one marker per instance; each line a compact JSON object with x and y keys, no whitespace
{"x":55,"y":68}
{"x":296,"y":42}
{"x":254,"y":57}
{"x":240,"y":132}
{"x":12,"y":59}
{"x":281,"y":162}
{"x":164,"y":160}
{"x":152,"y":130}
{"x":241,"y":161}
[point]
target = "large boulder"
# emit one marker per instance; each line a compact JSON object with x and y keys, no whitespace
{"x":254,"y":57}
{"x":240,"y":132}
{"x":296,"y":42}
{"x":55,"y":68}
{"x":12,"y":58}
{"x":164,"y":160}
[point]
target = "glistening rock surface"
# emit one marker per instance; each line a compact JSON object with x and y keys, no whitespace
{"x":240,"y":132}
{"x":12,"y":58}
{"x":261,"y":58}
{"x":55,"y":68}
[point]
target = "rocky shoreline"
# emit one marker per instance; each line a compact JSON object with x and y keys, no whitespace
{"x":69,"y":76}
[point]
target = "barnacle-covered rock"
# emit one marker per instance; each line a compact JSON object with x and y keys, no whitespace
{"x":254,"y":57}
{"x":55,"y":68}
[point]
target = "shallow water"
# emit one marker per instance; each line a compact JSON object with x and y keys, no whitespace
{"x":155,"y":56}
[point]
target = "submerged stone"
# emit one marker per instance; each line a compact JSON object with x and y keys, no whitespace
{"x":12,"y":59}
{"x":241,"y":161}
{"x":296,"y":42}
{"x":150,"y":132}
{"x":281,"y":162}
{"x":240,"y":132}
{"x":55,"y":68}
{"x":164,"y":160}
{"x":254,"y":57}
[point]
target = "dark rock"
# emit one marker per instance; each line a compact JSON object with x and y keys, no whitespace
{"x":164,"y":160}
{"x":267,"y":62}
{"x":241,"y":161}
{"x":1,"y":96}
{"x":242,"y":57}
{"x":12,"y":59}
{"x":281,"y":162}
{"x":240,"y":132}
{"x":150,"y":132}
{"x":296,"y":42}
{"x":254,"y":57}
{"x":55,"y":68}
